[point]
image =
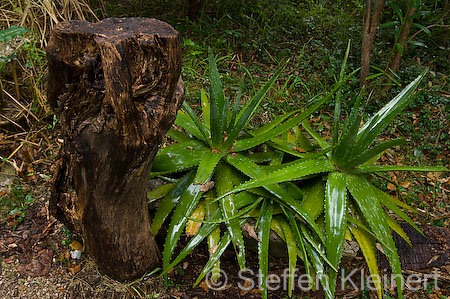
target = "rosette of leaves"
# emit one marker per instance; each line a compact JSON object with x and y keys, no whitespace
{"x":352,"y":204}
{"x":215,"y":153}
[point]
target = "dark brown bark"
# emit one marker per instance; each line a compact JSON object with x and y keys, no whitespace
{"x":115,"y":86}
{"x":395,"y":62}
{"x":425,"y":252}
{"x":370,"y":24}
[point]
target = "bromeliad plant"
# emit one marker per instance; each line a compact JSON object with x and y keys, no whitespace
{"x":217,"y":153}
{"x":352,"y":204}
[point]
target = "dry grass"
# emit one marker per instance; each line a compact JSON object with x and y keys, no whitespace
{"x":41,"y":15}
{"x":23,"y":104}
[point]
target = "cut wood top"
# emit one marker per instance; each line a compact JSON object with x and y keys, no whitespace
{"x":119,"y":28}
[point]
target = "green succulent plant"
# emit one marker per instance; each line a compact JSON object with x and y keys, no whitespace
{"x":351,"y":202}
{"x":217,"y":152}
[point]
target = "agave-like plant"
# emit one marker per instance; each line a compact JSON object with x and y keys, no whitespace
{"x":216,"y":153}
{"x":351,"y":202}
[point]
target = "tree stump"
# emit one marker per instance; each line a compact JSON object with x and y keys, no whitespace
{"x":115,"y":86}
{"x":432,"y":251}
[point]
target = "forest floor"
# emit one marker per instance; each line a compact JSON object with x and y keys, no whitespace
{"x":35,"y":248}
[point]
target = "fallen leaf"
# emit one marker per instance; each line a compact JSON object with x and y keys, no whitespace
{"x":75,"y":245}
{"x":204,"y":285}
{"x":192,"y":226}
{"x":434,"y":258}
{"x":12,"y":245}
{"x":67,"y":255}
{"x":298,"y":149}
{"x":250,"y":229}
{"x":74,"y":270}
{"x":207,"y":186}
{"x":10,"y":259}
{"x":406,"y":184}
{"x":248,"y":285}
{"x":177,"y":293}
{"x":380,"y":248}
{"x":391,"y":187}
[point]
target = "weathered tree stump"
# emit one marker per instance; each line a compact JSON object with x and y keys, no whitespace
{"x":432,"y":251}
{"x":115,"y":86}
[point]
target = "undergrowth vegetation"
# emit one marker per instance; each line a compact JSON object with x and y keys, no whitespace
{"x":264,"y":148}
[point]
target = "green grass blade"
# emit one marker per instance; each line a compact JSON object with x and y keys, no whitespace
{"x":205,"y":108}
{"x":371,"y":129}
{"x":263,"y":245}
{"x":214,"y":237}
{"x":335,"y":221}
{"x":291,"y":246}
{"x":241,"y":213}
{"x":243,"y":199}
{"x":289,"y":173}
{"x":316,"y":246}
{"x":252,"y":170}
{"x":214,"y":258}
{"x":337,"y":105}
{"x":236,"y":106}
{"x":213,"y":243}
{"x":169,"y":202}
{"x":206,"y":230}
{"x":314,"y":197}
{"x":159,"y":192}
{"x":367,"y":244}
{"x":261,"y":157}
{"x":368,"y":202}
{"x":344,"y":149}
{"x":178,"y":136}
{"x":201,"y":127}
{"x":397,"y":228}
{"x":185,"y":122}
{"x":206,"y":168}
{"x":293,"y":190}
{"x":373,"y":152}
{"x":319,"y":270}
{"x":283,"y":146}
{"x":224,"y":184}
{"x":384,"y":168}
{"x":392,"y":204}
{"x":218,"y":104}
{"x":179,"y":156}
{"x":244,"y":144}
{"x":187,"y":203}
{"x":302,"y":141}
{"x":250,"y":109}
{"x":322,"y":143}
{"x":274,"y":123}
{"x":299,"y":238}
